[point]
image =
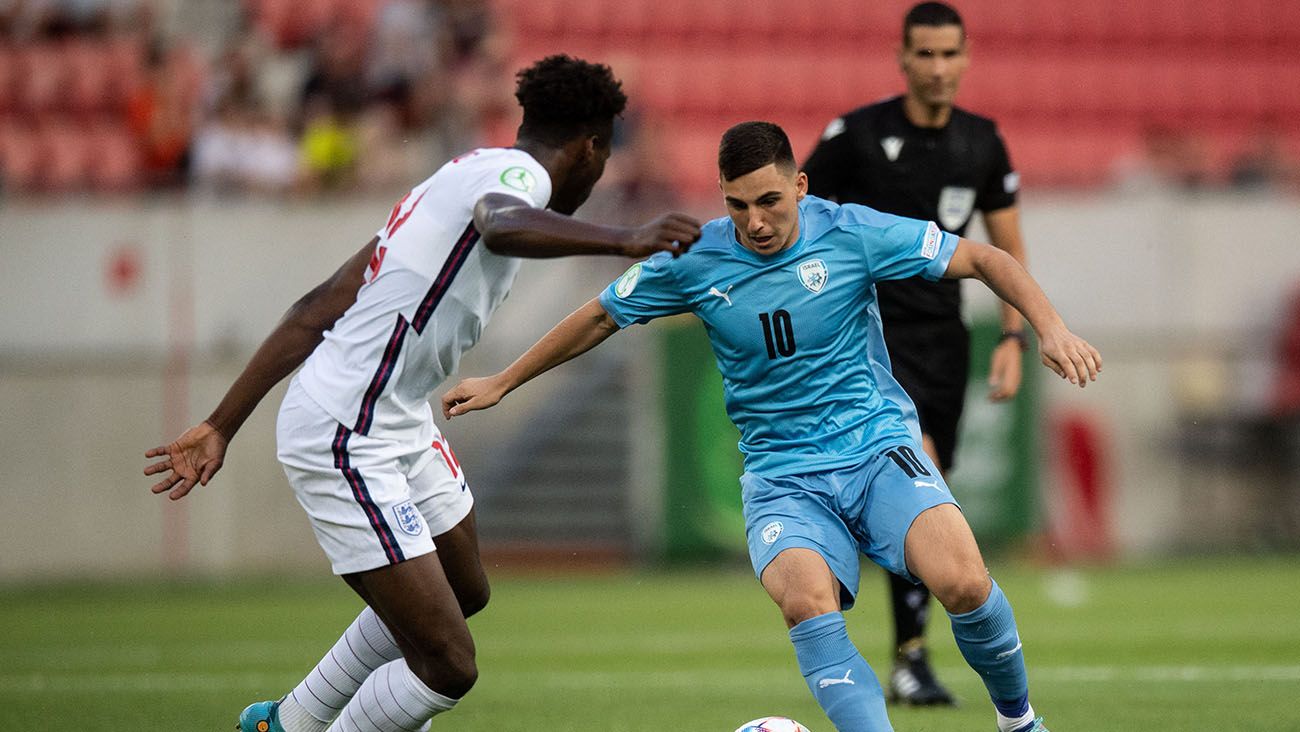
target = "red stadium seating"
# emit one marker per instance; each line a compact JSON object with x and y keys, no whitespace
{"x":20,"y":156}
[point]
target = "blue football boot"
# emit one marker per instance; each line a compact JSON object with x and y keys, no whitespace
{"x":263,"y":716}
{"x":1035,"y":726}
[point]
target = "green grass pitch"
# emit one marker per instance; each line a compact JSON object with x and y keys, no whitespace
{"x":1197,"y":645}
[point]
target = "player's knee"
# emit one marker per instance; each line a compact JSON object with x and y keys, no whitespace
{"x":475,"y":599}
{"x":800,"y":607}
{"x":447,"y":666}
{"x":964,"y":592}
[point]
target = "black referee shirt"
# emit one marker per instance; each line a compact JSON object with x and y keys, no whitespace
{"x":876,"y":157}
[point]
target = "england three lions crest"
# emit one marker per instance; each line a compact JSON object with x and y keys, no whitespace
{"x":813,"y":275}
{"x":408,"y":518}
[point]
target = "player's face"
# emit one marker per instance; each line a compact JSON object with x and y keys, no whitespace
{"x":764,"y":206}
{"x":587,"y":169}
{"x":933,"y":60}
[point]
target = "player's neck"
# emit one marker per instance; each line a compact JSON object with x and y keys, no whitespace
{"x":550,"y":158}
{"x":926,"y":115}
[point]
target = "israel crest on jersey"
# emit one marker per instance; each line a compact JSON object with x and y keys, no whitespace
{"x":955,"y":206}
{"x":409,"y":520}
{"x":813,"y":275}
{"x":771,"y":532}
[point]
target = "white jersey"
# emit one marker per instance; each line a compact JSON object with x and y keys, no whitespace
{"x":428,"y":293}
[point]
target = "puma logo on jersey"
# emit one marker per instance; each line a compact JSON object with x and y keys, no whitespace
{"x":823,"y":683}
{"x":724,"y":295}
{"x":926,"y":484}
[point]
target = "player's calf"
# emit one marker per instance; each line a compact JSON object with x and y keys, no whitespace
{"x":990,"y":643}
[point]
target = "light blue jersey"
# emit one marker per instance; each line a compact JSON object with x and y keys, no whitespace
{"x":797,"y":334}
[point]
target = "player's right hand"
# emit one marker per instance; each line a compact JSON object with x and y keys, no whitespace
{"x":471,"y":395}
{"x":671,"y":232}
{"x":191,"y":460}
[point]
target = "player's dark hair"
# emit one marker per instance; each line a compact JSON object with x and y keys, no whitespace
{"x":565,"y":97}
{"x":749,"y":146}
{"x":932,"y":15}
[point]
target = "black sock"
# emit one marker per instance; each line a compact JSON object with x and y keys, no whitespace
{"x":911,"y":610}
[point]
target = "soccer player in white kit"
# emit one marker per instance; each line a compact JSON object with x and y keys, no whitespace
{"x":384,"y":494}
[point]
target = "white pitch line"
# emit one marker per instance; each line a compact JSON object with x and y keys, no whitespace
{"x":693,"y":680}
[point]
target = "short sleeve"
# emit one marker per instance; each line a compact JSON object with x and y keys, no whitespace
{"x":1003,"y":183}
{"x":898,"y":247}
{"x":516,"y":175}
{"x":647,"y":290}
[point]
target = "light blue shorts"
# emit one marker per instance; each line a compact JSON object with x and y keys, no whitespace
{"x":865,"y":508}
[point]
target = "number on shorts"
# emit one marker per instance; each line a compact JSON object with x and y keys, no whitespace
{"x":905,"y":458}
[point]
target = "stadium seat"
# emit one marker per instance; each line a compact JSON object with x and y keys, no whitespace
{"x":693,"y":157}
{"x":114,"y":160}
{"x":8,"y":77}
{"x":89,"y":88}
{"x":586,"y":18}
{"x":533,"y":18}
{"x":67,"y":161}
{"x":42,"y":72}
{"x":20,"y":157}
{"x":630,"y":20}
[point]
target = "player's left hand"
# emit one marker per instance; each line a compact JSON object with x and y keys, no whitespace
{"x":1005,"y":371}
{"x":1071,"y":357}
{"x":472,"y":395}
{"x":191,"y":460}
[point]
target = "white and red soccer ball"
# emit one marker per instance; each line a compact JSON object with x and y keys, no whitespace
{"x":772,"y":724}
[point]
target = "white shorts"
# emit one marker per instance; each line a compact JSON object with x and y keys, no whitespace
{"x":372,"y":502}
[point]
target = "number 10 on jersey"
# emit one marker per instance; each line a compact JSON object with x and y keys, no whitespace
{"x":778,"y":333}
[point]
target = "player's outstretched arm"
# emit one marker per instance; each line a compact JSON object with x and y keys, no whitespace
{"x":1005,"y":363}
{"x":583,"y":330}
{"x":509,"y":226}
{"x":197,"y":455}
{"x":1070,"y":356}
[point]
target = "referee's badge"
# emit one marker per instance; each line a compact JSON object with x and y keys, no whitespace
{"x":955,"y":206}
{"x":813,"y":275}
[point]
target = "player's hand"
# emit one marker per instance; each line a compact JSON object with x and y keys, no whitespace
{"x":1005,"y":371}
{"x":191,"y":460}
{"x":471,"y":395}
{"x":671,"y":232}
{"x":1071,"y":357}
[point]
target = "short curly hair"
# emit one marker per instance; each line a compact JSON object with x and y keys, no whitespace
{"x":565,"y":97}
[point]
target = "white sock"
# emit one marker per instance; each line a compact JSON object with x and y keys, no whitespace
{"x":391,"y":700}
{"x":317,"y":700}
{"x":1006,"y":724}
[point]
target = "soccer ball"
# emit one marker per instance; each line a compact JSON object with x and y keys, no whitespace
{"x":772,"y":724}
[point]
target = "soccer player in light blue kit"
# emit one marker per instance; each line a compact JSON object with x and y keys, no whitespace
{"x":833,"y":463}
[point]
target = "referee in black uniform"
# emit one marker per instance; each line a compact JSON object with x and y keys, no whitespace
{"x":917,"y":155}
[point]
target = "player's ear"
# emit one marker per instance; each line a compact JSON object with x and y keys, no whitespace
{"x":800,"y":185}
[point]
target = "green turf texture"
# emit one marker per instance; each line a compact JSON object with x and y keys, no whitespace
{"x":1196,"y":645}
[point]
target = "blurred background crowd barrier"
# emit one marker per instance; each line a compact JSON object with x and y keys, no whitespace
{"x":173,"y":174}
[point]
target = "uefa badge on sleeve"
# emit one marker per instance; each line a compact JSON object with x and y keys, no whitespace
{"x":627,"y":283}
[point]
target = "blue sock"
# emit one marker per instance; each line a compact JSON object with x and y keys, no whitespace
{"x":837,"y":675}
{"x":988,"y":639}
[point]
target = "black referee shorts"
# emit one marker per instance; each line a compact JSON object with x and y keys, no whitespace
{"x":931,"y":361}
